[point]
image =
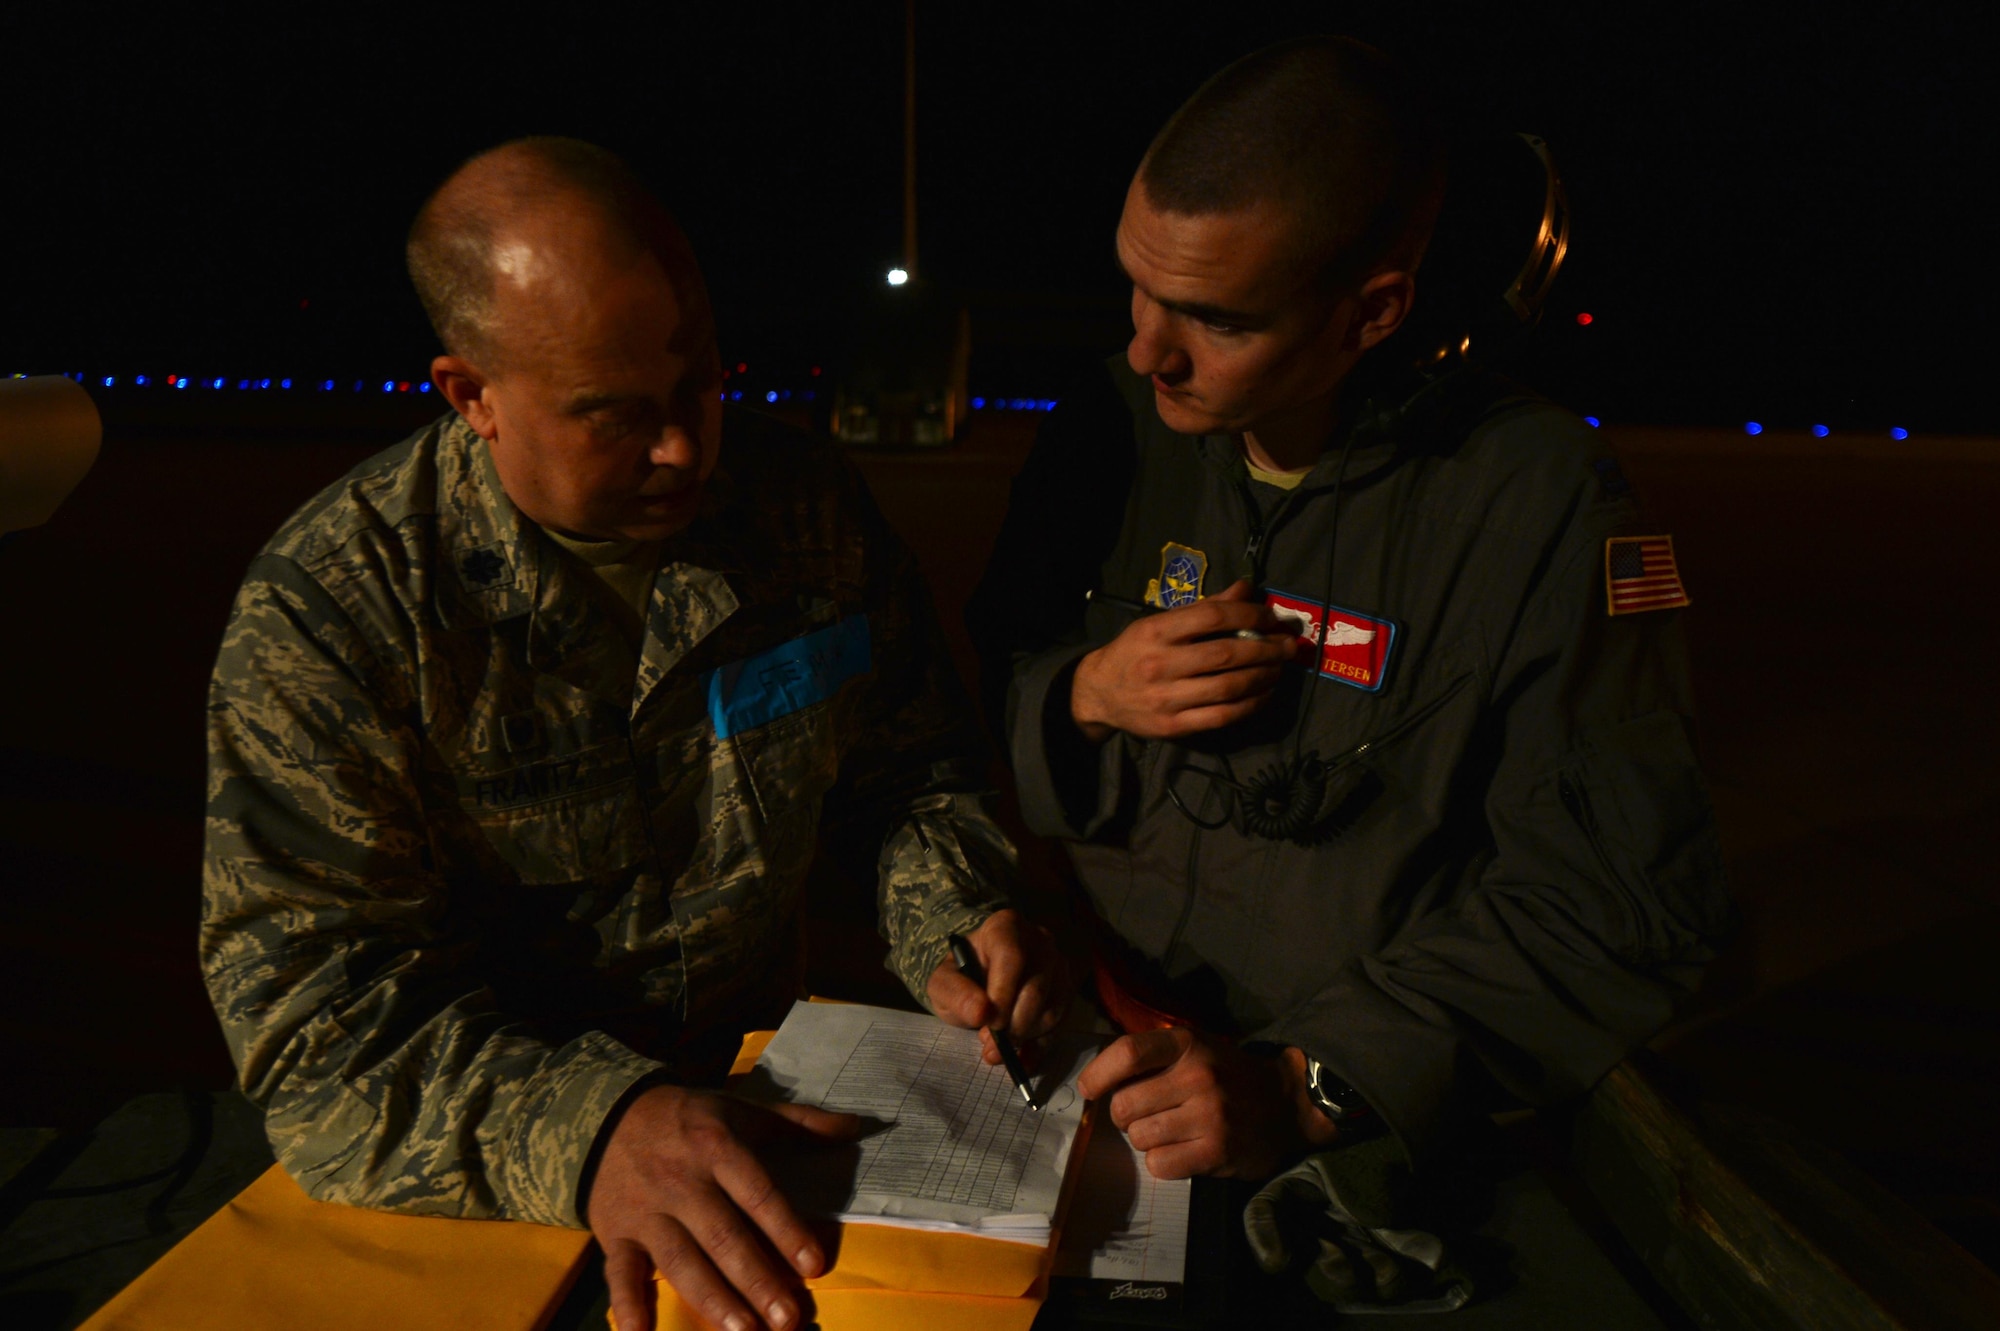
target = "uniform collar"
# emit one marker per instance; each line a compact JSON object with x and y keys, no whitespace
{"x":497,"y":565}
{"x":490,"y":567}
{"x":1373,"y":449}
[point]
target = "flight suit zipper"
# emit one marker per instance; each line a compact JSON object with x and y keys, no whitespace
{"x":1254,"y":550}
{"x":1261,"y":528}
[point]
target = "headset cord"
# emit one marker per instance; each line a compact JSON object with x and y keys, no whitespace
{"x":1282,"y":800}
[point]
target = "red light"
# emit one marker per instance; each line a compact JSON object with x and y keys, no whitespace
{"x":1583,"y":319}
{"x":815,"y":371}
{"x":304,"y":304}
{"x":403,"y":387}
{"x":741,"y":368}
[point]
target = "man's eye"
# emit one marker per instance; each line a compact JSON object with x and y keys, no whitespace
{"x":1219,"y":326}
{"x":617,"y":421}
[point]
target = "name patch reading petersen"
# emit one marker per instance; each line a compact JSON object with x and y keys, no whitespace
{"x":1353,"y":647}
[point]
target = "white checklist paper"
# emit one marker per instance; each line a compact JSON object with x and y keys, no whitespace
{"x":949,"y":1143}
{"x":1124,"y":1225}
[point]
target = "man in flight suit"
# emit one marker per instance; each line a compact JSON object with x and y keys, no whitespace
{"x":1383,"y":799}
{"x":522,"y":737}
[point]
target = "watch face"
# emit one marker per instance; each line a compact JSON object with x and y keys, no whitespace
{"x":1334,"y":1096}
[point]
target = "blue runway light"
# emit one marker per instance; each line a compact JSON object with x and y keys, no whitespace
{"x":1821,"y":432}
{"x":424,"y":387}
{"x":736,"y":396}
{"x":110,"y":379}
{"x":771,"y":395}
{"x":181,"y":382}
{"x":284,"y":383}
{"x":979,"y":404}
{"x":1751,"y":427}
{"x":389,"y":387}
{"x":326,"y":387}
{"x":810,"y":395}
{"x":216,"y":384}
{"x":242,"y":384}
{"x":1592,"y":422}
{"x":357,"y":385}
{"x":1899,"y":433}
{"x":139,"y":379}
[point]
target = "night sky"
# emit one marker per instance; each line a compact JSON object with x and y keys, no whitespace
{"x":1779,"y":209}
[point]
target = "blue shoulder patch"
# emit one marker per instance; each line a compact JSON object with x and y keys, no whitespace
{"x":789,"y":678}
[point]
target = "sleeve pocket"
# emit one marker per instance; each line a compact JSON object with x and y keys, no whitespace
{"x":1640,"y":798}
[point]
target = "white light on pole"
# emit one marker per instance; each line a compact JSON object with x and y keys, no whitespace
{"x":897,"y":277}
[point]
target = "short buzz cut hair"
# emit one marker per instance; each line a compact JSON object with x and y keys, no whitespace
{"x":450,"y":249}
{"x":1328,"y":128}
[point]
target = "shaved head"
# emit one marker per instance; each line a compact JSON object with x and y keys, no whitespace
{"x":579,"y":342}
{"x":506,"y":216}
{"x":1327,"y":129}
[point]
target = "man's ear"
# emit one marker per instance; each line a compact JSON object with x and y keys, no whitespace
{"x":465,"y":388}
{"x":1384,"y":302}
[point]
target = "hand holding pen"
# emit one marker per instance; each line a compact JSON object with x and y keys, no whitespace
{"x":967,"y":962}
{"x":1180,"y":672}
{"x":1016,"y":985}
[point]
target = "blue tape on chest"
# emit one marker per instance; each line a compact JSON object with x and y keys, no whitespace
{"x":794,"y":675}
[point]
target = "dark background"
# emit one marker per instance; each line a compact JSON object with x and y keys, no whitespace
{"x":1779,"y":217}
{"x":1778,"y":206}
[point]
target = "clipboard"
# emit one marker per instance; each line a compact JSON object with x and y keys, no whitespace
{"x":1201,"y":1300}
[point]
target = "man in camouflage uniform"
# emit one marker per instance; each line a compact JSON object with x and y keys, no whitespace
{"x":522,"y":737}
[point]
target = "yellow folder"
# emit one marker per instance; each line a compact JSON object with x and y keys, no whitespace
{"x":274,"y":1258}
{"x":890,"y":1279}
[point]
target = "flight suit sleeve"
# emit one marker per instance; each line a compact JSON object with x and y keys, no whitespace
{"x":1602,"y":899}
{"x":1026,"y":619}
{"x":389,"y":1075}
{"x":914,"y":791}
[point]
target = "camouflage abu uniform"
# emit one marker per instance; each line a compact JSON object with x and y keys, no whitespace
{"x":475,"y":863}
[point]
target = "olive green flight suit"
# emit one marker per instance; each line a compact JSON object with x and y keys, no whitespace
{"x":1513,"y":873}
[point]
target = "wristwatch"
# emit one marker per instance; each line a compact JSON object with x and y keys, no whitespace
{"x":1335,"y":1098}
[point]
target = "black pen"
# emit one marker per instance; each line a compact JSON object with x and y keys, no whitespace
{"x":1122,"y":602}
{"x":1142,"y":608}
{"x":968,"y":966}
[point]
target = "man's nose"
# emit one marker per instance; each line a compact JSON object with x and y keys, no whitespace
{"x":677,"y":447}
{"x":1153,"y":349}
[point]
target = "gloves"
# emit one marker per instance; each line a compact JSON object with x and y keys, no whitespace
{"x":1332,"y":1213}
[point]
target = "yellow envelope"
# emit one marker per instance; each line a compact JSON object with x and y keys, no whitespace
{"x":890,"y":1279}
{"x":274,"y":1257}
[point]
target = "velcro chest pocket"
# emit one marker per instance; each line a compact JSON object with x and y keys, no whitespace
{"x":777,"y":714}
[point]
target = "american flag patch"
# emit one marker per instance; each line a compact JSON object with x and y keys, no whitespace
{"x":1640,"y":574}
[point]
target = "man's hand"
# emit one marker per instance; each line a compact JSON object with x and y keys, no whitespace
{"x":1201,"y":1106}
{"x":1027,"y":983}
{"x":1169,"y":675}
{"x":679,"y":1188}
